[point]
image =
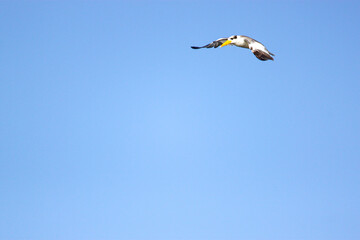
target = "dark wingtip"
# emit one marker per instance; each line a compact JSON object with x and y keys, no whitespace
{"x":263,"y":56}
{"x":195,"y":47}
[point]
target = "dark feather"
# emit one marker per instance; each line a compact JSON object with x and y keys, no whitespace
{"x":263,"y":56}
{"x":214,"y":44}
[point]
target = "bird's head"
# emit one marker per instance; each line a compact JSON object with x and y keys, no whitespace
{"x":229,"y":41}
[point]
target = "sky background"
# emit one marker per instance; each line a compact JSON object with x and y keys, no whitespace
{"x":112,"y":127}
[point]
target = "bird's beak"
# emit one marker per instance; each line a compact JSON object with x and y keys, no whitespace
{"x":226,"y":43}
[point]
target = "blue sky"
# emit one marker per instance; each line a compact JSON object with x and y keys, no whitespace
{"x":111,"y":127}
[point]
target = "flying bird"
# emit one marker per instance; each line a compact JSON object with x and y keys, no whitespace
{"x":257,"y":48}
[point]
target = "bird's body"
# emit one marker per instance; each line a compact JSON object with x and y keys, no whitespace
{"x":256,"y":47}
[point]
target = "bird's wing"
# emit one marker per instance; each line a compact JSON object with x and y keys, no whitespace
{"x":214,"y":44}
{"x":259,"y":50}
{"x":263,"y":56}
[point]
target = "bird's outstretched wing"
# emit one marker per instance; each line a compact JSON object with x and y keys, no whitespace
{"x":259,"y":50}
{"x":214,"y":44}
{"x":263,"y":56}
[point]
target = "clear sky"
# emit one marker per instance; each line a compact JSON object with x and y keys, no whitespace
{"x":112,"y":127}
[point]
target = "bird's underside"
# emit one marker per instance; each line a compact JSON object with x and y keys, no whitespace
{"x":257,"y":48}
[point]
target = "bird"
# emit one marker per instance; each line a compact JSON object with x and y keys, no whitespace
{"x":257,"y":48}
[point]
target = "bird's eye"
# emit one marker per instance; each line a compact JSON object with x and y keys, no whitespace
{"x":235,"y":37}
